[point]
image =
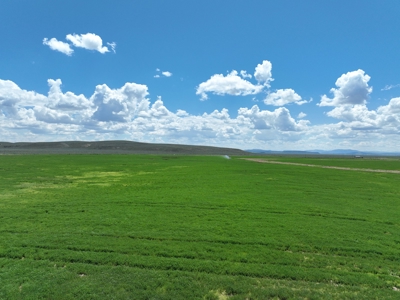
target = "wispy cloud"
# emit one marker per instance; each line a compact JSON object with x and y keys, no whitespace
{"x":390,"y":86}
{"x":113,"y":45}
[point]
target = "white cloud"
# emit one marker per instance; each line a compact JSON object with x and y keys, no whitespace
{"x":352,"y":89}
{"x":390,"y":86}
{"x":167,"y":74}
{"x":384,"y":120}
{"x":56,"y":45}
{"x":279,"y":119}
{"x":119,"y":105}
{"x":231,"y":84}
{"x":128,"y":113}
{"x":350,"y":106}
{"x":113,"y":45}
{"x":48,"y":115}
{"x":13,"y":99}
{"x":65,"y":102}
{"x":89,"y":41}
{"x":352,"y":113}
{"x":244,"y":74}
{"x":393,"y":107}
{"x":282,"y":97}
{"x":163,"y":73}
{"x":181,"y":113}
{"x":263,"y":73}
{"x":301,"y":115}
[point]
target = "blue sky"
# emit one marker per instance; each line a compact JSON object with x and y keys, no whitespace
{"x":248,"y":74}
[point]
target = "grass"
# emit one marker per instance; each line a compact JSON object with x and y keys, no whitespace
{"x":384,"y":163}
{"x":181,"y":227}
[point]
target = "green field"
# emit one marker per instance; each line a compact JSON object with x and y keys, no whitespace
{"x":197,"y":227}
{"x":385,"y":163}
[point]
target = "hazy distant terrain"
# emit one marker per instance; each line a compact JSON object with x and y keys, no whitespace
{"x":112,"y":147}
{"x":335,"y":152}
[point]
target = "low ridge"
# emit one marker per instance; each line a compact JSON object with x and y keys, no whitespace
{"x":112,"y":147}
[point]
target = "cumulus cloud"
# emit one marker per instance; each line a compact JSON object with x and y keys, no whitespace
{"x":119,"y":105}
{"x":56,"y":107}
{"x":263,"y":73}
{"x":48,"y":115}
{"x":128,"y":113}
{"x":56,"y":45}
{"x":380,"y":122}
{"x":301,"y":115}
{"x":89,"y":41}
{"x":13,"y":99}
{"x":284,"y":96}
{"x":235,"y":84}
{"x":352,"y":113}
{"x":244,"y":74}
{"x":352,"y":89}
{"x":350,"y":100}
{"x":65,"y":102}
{"x":231,"y":84}
{"x":279,"y":119}
{"x":162,"y":73}
{"x":393,"y":107}
{"x":167,"y":74}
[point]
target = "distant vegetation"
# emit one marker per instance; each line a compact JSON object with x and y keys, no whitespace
{"x":197,"y":227}
{"x":113,"y":147}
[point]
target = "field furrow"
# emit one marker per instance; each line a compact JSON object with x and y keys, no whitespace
{"x":195,"y":226}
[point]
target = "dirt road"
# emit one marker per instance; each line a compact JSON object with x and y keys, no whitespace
{"x":319,"y":166}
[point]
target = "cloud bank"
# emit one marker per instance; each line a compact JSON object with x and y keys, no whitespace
{"x":129,"y":113}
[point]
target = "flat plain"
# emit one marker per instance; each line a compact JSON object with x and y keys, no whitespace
{"x":197,"y":227}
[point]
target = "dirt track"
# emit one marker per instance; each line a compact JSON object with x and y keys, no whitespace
{"x":319,"y":166}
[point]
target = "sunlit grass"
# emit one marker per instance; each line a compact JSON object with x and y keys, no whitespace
{"x":174,"y":227}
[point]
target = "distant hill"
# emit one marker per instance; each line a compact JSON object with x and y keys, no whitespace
{"x":325,"y":152}
{"x":296,"y":152}
{"x":357,"y":152}
{"x":113,"y":147}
